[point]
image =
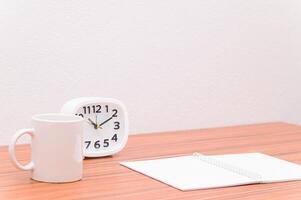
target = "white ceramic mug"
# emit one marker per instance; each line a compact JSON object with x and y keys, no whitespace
{"x":56,"y":148}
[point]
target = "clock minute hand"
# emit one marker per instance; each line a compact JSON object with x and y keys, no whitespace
{"x":99,"y":126}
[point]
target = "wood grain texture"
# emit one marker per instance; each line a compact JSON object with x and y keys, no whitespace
{"x":104,"y":178}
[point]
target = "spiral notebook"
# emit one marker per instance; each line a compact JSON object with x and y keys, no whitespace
{"x":203,"y":172}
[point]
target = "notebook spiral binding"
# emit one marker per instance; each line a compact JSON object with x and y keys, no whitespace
{"x":252,"y":175}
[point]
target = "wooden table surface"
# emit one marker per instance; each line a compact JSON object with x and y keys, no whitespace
{"x":104,"y":178}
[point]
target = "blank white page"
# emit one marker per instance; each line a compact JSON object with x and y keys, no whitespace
{"x":187,"y":173}
{"x":270,"y":168}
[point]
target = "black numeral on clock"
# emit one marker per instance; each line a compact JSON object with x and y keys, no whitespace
{"x":114,"y":113}
{"x":88,"y":144}
{"x":116,"y":125}
{"x":87,"y":109}
{"x":81,"y":115}
{"x":96,"y":109}
{"x":93,"y":109}
{"x":114,"y":138}
{"x":106,"y":143}
{"x":97,"y":143}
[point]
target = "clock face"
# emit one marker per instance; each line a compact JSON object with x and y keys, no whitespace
{"x":104,"y":128}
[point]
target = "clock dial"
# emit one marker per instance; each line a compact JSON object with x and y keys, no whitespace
{"x":104,"y":126}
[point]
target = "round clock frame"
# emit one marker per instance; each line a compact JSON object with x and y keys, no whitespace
{"x":73,"y":106}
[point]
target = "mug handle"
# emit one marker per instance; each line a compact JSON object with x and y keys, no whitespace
{"x":11,"y":149}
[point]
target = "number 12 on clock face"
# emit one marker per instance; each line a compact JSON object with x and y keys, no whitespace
{"x":105,"y":127}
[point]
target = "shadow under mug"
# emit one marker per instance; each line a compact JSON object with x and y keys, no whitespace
{"x":56,"y":148}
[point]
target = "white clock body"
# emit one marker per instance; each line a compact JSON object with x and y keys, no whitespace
{"x":105,"y":127}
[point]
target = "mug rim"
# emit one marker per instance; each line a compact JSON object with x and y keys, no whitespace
{"x":57,"y":118}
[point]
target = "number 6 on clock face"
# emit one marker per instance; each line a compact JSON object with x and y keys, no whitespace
{"x":106,"y":124}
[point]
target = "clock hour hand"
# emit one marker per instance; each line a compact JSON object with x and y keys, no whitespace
{"x":99,"y":126}
{"x":93,"y":123}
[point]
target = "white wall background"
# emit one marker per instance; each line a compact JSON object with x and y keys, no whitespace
{"x":176,"y":64}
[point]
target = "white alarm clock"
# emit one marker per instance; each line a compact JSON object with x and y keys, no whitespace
{"x":106,"y":124}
